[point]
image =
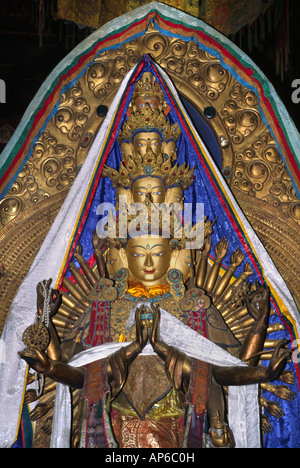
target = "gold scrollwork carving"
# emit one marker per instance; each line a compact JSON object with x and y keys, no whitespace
{"x":50,"y":169}
{"x":72,"y":113}
{"x":259,"y":171}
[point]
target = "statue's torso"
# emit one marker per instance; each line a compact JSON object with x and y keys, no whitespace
{"x":148,"y":392}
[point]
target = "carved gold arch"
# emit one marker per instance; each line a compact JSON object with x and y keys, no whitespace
{"x":251,"y":161}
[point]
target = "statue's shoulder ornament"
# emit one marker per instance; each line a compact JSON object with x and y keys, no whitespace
{"x":103,"y":290}
{"x":195,"y":299}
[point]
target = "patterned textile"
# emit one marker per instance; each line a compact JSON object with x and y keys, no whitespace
{"x":95,"y":13}
{"x":200,"y":386}
{"x":133,"y":432}
{"x":96,"y":384}
{"x":95,"y":427}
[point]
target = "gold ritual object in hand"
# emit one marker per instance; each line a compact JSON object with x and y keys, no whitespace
{"x":36,"y":337}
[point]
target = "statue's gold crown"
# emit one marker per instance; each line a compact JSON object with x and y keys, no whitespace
{"x":160,"y":165}
{"x":149,"y":120}
{"x":146,"y":87}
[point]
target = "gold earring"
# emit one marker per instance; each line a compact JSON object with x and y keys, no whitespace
{"x":175,"y":281}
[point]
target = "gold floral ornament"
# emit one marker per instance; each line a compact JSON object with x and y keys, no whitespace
{"x":195,"y":299}
{"x":150,"y":165}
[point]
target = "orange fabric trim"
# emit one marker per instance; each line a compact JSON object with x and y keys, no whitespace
{"x":139,"y":290}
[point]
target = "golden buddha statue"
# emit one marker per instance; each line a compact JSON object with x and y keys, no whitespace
{"x":144,"y":414}
{"x":134,"y":397}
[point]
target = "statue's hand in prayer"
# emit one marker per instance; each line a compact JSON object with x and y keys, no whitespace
{"x":154,"y":331}
{"x":130,"y":352}
{"x":143,"y":321}
{"x":158,"y":346}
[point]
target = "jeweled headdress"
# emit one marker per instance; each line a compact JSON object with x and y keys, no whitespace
{"x":150,"y":165}
{"x":149,"y":120}
{"x":145,"y":88}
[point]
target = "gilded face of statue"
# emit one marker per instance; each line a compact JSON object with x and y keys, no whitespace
{"x":170,"y":149}
{"x":125,"y":194}
{"x":148,"y":188}
{"x":182,"y":260}
{"x":126,"y":149}
{"x":175,"y":195}
{"x":113,"y":261}
{"x":148,"y":259}
{"x":143,"y":142}
{"x":141,"y":102}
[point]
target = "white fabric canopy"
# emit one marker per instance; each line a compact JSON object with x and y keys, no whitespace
{"x":242,"y":400}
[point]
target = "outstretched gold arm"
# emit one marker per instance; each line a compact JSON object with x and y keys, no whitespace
{"x":202,"y":268}
{"x":92,"y":278}
{"x":57,"y":371}
{"x":220,"y":251}
{"x":179,"y":368}
{"x":178,"y":365}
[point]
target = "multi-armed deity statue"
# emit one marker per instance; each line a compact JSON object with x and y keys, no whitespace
{"x":156,"y":306}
